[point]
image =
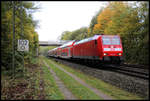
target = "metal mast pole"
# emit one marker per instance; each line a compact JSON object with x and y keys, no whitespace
{"x":13,"y":43}
{"x":21,"y":9}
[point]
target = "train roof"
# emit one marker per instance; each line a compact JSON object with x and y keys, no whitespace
{"x":54,"y":48}
{"x":88,"y":39}
{"x":67,"y":44}
{"x":93,"y":38}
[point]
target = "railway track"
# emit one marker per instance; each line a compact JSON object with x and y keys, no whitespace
{"x":134,"y":71}
{"x":136,"y":66}
{"x":128,"y":70}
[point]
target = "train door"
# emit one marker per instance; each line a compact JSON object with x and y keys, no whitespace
{"x":69,"y":52}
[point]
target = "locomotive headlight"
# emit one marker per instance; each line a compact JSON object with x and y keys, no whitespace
{"x":105,"y":53}
{"x":119,"y":53}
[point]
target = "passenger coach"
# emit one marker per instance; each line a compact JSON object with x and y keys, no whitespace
{"x":66,"y":50}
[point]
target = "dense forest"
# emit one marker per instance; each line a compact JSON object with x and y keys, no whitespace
{"x":24,"y":29}
{"x":130,"y":21}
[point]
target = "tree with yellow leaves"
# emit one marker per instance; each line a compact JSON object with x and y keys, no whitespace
{"x":102,"y":19}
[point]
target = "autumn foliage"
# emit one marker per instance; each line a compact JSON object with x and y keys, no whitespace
{"x":24,"y":29}
{"x":130,"y":21}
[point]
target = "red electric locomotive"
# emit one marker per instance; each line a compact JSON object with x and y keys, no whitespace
{"x":99,"y":47}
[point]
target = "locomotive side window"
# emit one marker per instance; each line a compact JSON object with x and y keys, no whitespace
{"x":106,"y":41}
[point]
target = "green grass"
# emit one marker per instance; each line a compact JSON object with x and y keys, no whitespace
{"x":101,"y":85}
{"x":37,"y":84}
{"x":47,"y":47}
{"x":76,"y":88}
{"x":34,"y":60}
{"x":44,"y":49}
{"x":51,"y":88}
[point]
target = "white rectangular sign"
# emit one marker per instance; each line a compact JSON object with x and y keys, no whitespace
{"x":23,"y":45}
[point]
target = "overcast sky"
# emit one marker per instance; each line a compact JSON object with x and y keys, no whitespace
{"x":57,"y":17}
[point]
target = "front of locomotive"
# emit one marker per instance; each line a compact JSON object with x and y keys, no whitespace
{"x":112,"y":48}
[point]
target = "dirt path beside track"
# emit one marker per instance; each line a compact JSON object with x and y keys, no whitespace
{"x":67,"y":94}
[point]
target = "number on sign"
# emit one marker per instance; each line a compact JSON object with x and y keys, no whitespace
{"x":23,"y":45}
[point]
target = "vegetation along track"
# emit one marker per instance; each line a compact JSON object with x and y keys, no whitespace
{"x":110,"y":75}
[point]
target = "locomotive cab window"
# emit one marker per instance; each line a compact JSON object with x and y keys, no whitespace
{"x":106,"y":40}
{"x":115,"y":41}
{"x":111,"y":40}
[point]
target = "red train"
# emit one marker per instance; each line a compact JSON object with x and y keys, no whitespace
{"x":96,"y":48}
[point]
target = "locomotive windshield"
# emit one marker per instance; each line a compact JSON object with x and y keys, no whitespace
{"x":106,"y":41}
{"x":115,"y":41}
{"x":111,"y":40}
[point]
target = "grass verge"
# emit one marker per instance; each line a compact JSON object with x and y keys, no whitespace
{"x":76,"y":88}
{"x":106,"y":88}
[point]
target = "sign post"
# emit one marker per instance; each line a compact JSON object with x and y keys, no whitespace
{"x":23,"y":45}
